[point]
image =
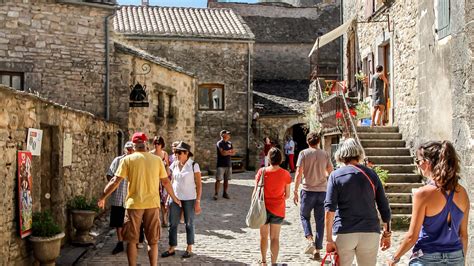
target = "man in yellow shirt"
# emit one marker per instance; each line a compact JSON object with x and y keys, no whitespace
{"x":143,"y":171}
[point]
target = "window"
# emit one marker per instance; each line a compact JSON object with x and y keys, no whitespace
{"x":211,"y":97}
{"x":443,"y":18}
{"x":12,"y":79}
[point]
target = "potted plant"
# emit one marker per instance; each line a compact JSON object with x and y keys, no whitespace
{"x":382,"y":173}
{"x":46,"y":238}
{"x":83,"y":212}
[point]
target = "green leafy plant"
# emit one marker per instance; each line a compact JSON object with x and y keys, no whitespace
{"x":382,"y":173}
{"x":362,"y":110}
{"x":44,"y":225}
{"x":360,"y":76}
{"x":82,"y":203}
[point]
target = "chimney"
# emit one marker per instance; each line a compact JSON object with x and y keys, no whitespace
{"x":209,"y":3}
{"x":145,"y":2}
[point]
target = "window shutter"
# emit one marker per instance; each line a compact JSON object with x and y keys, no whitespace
{"x":369,"y":8}
{"x":443,"y":18}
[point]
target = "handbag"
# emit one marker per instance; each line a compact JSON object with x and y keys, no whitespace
{"x":257,"y":214}
{"x":331,"y":259}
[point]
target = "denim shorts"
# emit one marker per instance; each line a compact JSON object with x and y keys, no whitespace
{"x":273,"y":219}
{"x":455,"y":258}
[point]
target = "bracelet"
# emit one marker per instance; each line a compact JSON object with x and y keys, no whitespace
{"x":395,"y":260}
{"x":386,"y":234}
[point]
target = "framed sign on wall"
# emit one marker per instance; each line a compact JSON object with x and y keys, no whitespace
{"x":25,"y":198}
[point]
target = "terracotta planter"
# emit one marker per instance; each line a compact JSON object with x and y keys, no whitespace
{"x":83,"y":222}
{"x":46,"y":249}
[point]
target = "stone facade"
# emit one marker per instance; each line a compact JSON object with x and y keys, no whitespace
{"x":225,"y":63}
{"x":430,"y":76}
{"x":168,"y":92}
{"x":94,"y":145}
{"x":58,"y":48}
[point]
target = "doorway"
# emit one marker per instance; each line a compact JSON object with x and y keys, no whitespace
{"x":299,"y":132}
{"x":386,"y":62}
{"x":49,"y":167}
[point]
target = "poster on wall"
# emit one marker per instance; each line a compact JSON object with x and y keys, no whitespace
{"x":33,"y":143}
{"x":67,"y":150}
{"x":25,"y":202}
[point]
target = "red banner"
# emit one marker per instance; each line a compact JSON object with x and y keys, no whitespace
{"x":25,"y":197}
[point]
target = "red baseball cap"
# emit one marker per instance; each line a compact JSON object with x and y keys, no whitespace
{"x":139,"y":137}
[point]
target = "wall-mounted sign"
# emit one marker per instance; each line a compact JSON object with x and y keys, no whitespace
{"x":25,"y":199}
{"x":138,"y":96}
{"x":33,"y":142}
{"x":67,"y":150}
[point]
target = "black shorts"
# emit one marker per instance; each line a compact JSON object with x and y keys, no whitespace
{"x":273,"y":219}
{"x":117,"y":214}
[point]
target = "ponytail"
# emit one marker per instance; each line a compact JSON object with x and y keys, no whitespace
{"x":444,"y":161}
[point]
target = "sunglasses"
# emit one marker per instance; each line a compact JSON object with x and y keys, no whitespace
{"x":417,"y":161}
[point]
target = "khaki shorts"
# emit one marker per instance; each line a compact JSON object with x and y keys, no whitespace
{"x":151,"y":222}
{"x":223,"y":173}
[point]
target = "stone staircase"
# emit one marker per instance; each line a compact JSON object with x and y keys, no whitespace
{"x":385,"y":147}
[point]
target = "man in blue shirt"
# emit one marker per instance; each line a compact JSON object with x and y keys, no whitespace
{"x":224,"y":164}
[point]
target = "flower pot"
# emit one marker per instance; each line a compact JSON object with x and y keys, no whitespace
{"x":83,"y":221}
{"x":46,"y":249}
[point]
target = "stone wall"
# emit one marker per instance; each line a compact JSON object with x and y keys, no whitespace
{"x":59,"y":48}
{"x":168,"y":92}
{"x":225,"y":63}
{"x":284,"y":37}
{"x":94,"y":145}
{"x":430,"y":77}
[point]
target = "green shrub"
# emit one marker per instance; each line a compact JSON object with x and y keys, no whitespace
{"x":383,"y":174}
{"x":82,"y":203}
{"x":43,"y":224}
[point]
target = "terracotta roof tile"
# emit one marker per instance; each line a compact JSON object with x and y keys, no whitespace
{"x":181,"y":22}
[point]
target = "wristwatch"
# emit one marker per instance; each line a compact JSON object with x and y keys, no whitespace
{"x":395,"y":260}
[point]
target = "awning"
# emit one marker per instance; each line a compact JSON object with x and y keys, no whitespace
{"x":331,"y":36}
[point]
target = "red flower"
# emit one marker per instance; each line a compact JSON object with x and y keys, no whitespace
{"x":338,"y":115}
{"x":353,"y":112}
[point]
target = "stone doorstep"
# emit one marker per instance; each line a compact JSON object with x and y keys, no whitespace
{"x":377,"y":129}
{"x":403,"y":178}
{"x":372,"y":143}
{"x":398,"y":168}
{"x":401,"y":208}
{"x":401,"y":187}
{"x":391,"y":159}
{"x":378,"y":135}
{"x":387,"y":152}
{"x":400,"y":221}
{"x":399,"y":197}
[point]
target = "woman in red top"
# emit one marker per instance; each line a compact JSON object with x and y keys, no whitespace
{"x":276,"y":190}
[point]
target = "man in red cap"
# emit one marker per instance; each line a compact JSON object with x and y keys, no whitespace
{"x":143,"y":171}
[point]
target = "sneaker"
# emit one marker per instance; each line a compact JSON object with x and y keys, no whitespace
{"x":310,"y":248}
{"x":118,"y":248}
{"x":226,"y":196}
{"x":215,"y":197}
{"x":140,"y":245}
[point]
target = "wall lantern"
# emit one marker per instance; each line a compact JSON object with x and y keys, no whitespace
{"x":138,"y":97}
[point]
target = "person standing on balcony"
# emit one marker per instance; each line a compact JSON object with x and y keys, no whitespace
{"x":440,"y":215}
{"x":378,"y":83}
{"x":224,"y":163}
{"x":313,"y":167}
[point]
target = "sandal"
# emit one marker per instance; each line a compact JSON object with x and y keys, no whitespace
{"x":167,"y":254}
{"x":186,"y":255}
{"x":261,"y":262}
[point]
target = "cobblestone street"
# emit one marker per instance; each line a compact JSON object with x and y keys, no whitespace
{"x":222,"y":236}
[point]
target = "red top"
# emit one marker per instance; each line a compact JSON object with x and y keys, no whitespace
{"x":274,"y":189}
{"x":266,"y":148}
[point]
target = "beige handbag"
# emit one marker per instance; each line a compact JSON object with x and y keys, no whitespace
{"x":257,"y":215}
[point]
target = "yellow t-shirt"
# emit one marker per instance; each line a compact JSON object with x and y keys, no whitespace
{"x":143,"y":171}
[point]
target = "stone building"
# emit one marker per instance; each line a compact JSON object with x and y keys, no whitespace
{"x":214,"y":44}
{"x":94,"y":145}
{"x":426,"y":48}
{"x":284,"y":35}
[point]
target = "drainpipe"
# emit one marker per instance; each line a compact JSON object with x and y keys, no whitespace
{"x":249,"y":107}
{"x":107,"y":69}
{"x":341,"y":43}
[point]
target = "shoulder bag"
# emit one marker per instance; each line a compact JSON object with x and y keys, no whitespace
{"x":257,"y":215}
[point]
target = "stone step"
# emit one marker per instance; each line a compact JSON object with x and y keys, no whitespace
{"x":387,"y":152}
{"x":403,"y":178}
{"x":366,"y":143}
{"x":400,"y":221}
{"x":377,"y":135}
{"x":401,"y":187}
{"x":391,"y":159}
{"x":401,"y":208}
{"x":398,"y":168}
{"x":399,"y":197}
{"x":377,"y":129}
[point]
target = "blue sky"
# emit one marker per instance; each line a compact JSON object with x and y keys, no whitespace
{"x":177,"y":3}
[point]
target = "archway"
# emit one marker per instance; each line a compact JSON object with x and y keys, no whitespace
{"x":298,"y":132}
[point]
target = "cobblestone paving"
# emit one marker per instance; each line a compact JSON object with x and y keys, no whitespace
{"x":222,"y":237}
